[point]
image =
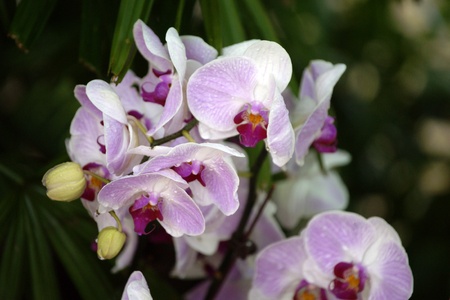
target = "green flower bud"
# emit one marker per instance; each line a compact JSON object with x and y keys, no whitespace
{"x":109,"y":243}
{"x":64,"y":182}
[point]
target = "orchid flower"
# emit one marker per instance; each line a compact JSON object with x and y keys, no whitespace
{"x":136,"y":288}
{"x":154,"y":196}
{"x":279,"y":273}
{"x":357,"y":257}
{"x":339,"y":255}
{"x":211,"y":178}
{"x":309,"y":189}
{"x":312,"y":124}
{"x":169,"y":67}
{"x":241,"y":94}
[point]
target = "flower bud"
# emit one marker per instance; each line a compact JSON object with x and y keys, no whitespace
{"x":109,"y":243}
{"x":64,"y":182}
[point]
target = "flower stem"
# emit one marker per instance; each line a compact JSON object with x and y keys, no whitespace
{"x":104,"y":180}
{"x":119,"y":224}
{"x":239,"y":238}
{"x":175,"y":135}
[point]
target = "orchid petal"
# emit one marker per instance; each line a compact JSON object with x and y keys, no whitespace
{"x":307,"y":133}
{"x":116,"y":142}
{"x":197,"y":49}
{"x":174,"y":101}
{"x":80,"y":94}
{"x":390,"y":274}
{"x":181,"y":214}
{"x":280,"y":134}
{"x":221,"y":186}
{"x":185,"y":257}
{"x":82,"y":145}
{"x":126,"y":256}
{"x":334,"y":237}
{"x":177,"y":52}
{"x":106,"y":100}
{"x":272,"y":60}
{"x":238,"y":49}
{"x":278,"y":268}
{"x":125,"y":190}
{"x":150,"y":46}
{"x":217,"y":91}
{"x":136,"y":288}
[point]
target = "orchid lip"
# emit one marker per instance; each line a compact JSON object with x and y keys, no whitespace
{"x":146,"y":209}
{"x":252,"y":125}
{"x":349,"y":282}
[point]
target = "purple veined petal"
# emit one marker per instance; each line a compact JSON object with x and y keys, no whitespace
{"x":126,"y":256}
{"x":185,"y":257}
{"x":384,"y":229}
{"x":151,"y":152}
{"x":337,"y":236}
{"x":181,"y":214}
{"x":177,"y":51}
{"x":238,"y":49}
{"x":280,"y":134}
{"x":116,"y":142}
{"x":82,"y":145}
{"x":390,"y":274}
{"x":271,"y":59}
{"x":174,"y":101}
{"x":278,"y":269}
{"x":136,"y":288}
{"x":127,"y":92}
{"x":217,"y":91}
{"x":125,"y":190}
{"x":169,"y":157}
{"x":197,"y":49}
{"x":80,"y":94}
{"x":106,"y":100}
{"x":221,"y":187}
{"x":150,"y":46}
{"x":307,"y":132}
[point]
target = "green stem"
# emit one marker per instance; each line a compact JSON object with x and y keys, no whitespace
{"x":119,"y":224}
{"x":104,"y":180}
{"x":175,"y":135}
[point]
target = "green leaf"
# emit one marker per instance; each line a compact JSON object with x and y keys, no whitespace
{"x":123,"y":48}
{"x":79,"y":261}
{"x":44,"y":282}
{"x":232,"y":29}
{"x":211,"y":17}
{"x":261,"y":19}
{"x":29,"y":20}
{"x":95,"y":39}
{"x":13,"y":262}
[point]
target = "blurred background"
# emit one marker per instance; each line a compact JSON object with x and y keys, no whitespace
{"x":392,"y":109}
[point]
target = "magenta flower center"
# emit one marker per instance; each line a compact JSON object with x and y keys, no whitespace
{"x":252,"y":125}
{"x":157,"y":93}
{"x":350,"y":280}
{"x":327,"y":141}
{"x":146,"y":208}
{"x":94,"y":185}
{"x":308,"y":291}
{"x":191,"y":171}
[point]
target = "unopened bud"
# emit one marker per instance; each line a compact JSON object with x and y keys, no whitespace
{"x":109,"y":243}
{"x":65,"y":182}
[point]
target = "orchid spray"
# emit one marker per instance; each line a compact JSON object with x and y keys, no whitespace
{"x":189,"y":147}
